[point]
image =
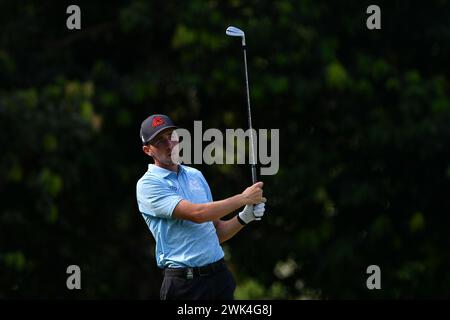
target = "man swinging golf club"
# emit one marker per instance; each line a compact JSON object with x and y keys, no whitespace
{"x":176,"y":203}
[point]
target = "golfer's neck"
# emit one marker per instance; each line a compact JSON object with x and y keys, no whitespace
{"x":172,"y":167}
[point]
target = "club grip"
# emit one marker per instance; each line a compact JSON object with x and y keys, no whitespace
{"x":254,"y":176}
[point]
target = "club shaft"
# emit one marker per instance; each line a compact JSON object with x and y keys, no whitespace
{"x":249,"y":116}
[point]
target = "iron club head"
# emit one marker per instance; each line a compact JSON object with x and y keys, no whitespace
{"x":236,"y":32}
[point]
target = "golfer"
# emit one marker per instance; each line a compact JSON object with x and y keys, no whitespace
{"x":176,"y":203}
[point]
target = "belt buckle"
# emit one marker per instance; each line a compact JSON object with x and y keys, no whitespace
{"x":202,"y":274}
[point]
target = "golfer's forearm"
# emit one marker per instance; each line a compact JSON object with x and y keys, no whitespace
{"x":215,"y":210}
{"x":227,"y":229}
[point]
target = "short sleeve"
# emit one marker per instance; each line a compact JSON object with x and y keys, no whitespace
{"x":156,"y":198}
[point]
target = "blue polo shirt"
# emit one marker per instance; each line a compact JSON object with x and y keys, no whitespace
{"x":179,"y":243}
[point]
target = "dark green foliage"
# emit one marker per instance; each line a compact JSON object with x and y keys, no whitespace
{"x":364,"y":142}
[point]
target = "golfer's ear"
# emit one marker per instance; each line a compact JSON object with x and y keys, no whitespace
{"x":146,"y":150}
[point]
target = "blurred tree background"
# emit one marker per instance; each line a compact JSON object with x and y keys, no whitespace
{"x":364,"y":142}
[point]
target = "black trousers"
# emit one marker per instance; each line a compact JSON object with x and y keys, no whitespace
{"x":215,"y":285}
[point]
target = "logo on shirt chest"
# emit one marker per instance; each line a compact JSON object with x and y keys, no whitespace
{"x":194,"y":185}
{"x":197,"y":191}
{"x":172,"y":186}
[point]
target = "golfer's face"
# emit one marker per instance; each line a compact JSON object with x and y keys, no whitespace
{"x":163,"y":145}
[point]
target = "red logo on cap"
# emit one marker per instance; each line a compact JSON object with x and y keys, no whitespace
{"x":157,"y":121}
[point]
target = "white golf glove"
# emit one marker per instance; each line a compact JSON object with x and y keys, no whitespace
{"x":251,"y":213}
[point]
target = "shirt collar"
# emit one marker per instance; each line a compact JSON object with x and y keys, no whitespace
{"x":163,"y":172}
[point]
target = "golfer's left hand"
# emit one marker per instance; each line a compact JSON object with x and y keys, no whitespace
{"x":252,"y":212}
{"x":258,"y":210}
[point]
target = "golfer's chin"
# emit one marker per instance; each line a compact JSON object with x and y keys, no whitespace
{"x":168,"y":161}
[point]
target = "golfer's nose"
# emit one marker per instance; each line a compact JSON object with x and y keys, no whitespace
{"x":170,"y":143}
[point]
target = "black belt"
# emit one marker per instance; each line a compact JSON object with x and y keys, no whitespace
{"x":190,"y":273}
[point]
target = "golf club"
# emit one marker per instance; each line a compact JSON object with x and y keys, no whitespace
{"x":236,"y":32}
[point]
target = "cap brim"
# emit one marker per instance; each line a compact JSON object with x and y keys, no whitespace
{"x":158,"y":132}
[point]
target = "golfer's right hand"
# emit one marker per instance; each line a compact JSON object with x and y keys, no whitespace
{"x":254,"y":194}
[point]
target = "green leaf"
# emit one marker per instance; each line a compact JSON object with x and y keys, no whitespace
{"x":182,"y":37}
{"x":336,"y":76}
{"x":412,"y":77}
{"x":50,"y":142}
{"x":249,"y":289}
{"x":86,"y":110}
{"x":52,"y":183}
{"x":417,"y":222}
{"x":15,"y":173}
{"x":441,"y":105}
{"x":52,"y":215}
{"x":15,"y":260}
